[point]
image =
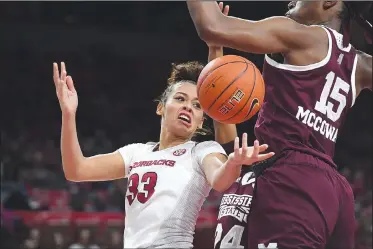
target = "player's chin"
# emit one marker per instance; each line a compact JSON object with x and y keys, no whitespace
{"x":184,"y":131}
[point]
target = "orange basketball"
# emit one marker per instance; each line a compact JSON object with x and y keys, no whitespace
{"x":230,"y":89}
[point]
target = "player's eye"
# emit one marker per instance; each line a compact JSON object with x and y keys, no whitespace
{"x":180,"y":98}
{"x":197,"y":105}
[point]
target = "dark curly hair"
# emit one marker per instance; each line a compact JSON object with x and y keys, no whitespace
{"x":183,"y":72}
{"x":355,"y":11}
{"x":187,"y":72}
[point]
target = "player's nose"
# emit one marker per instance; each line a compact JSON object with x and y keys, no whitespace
{"x":188,"y":107}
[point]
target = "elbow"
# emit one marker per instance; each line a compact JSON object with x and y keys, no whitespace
{"x":208,"y":30}
{"x":72,"y":177}
{"x":220,"y":189}
{"x":72,"y":174}
{"x":220,"y":186}
{"x":223,"y":184}
{"x":209,"y":33}
{"x":204,"y":32}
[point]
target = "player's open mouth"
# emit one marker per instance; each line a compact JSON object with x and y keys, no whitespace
{"x":185,"y":118}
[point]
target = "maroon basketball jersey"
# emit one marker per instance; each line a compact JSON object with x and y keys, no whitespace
{"x":231,"y":230}
{"x":305,"y":106}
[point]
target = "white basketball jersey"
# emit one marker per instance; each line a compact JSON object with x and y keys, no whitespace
{"x":165,"y":192}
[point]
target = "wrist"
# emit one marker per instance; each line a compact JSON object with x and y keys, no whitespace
{"x":232,"y":165}
{"x":214,"y":47}
{"x":68,"y":116}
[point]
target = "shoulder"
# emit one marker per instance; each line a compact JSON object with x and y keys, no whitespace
{"x":306,"y":36}
{"x":137,"y":147}
{"x":295,"y":27}
{"x":131,"y":151}
{"x":308,"y":45}
{"x":206,"y":144}
{"x":208,"y":147}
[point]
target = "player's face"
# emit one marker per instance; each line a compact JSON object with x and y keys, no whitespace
{"x":305,"y":12}
{"x":182,"y":114}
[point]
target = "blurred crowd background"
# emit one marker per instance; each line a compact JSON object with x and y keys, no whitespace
{"x":119,"y":55}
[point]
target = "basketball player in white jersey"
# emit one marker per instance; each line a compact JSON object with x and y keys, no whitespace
{"x":167,"y":181}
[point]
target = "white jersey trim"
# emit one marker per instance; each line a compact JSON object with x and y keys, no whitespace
{"x":295,"y":68}
{"x":353,"y":83}
{"x":339,"y":38}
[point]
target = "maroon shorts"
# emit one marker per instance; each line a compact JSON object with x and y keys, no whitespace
{"x":301,"y":202}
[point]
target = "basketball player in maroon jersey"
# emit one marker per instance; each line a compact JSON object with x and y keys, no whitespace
{"x":312,"y":76}
{"x":240,"y":191}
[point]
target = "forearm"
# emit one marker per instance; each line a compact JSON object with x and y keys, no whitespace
{"x":214,"y":52}
{"x":72,"y":156}
{"x":203,"y":14}
{"x":224,"y":133}
{"x":225,"y":176}
{"x":270,"y":35}
{"x":217,"y":29}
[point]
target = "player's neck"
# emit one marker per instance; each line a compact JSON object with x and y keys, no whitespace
{"x":335,"y":24}
{"x":167,"y":140}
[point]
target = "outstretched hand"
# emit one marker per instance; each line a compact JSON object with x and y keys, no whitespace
{"x":248,"y":155}
{"x":66,"y":93}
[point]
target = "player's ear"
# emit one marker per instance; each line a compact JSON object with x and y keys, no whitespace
{"x":160,"y":109}
{"x":329,"y":4}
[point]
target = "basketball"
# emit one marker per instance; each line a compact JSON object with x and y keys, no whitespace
{"x":230,"y":89}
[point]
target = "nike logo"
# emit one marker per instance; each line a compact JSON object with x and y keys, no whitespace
{"x":253,"y":104}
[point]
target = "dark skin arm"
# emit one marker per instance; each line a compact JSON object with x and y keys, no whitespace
{"x":299,"y":44}
{"x":363,"y":72}
{"x":267,"y":36}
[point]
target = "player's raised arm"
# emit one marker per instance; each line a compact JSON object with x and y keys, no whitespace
{"x":271,"y":35}
{"x":224,"y":133}
{"x":75,"y":166}
{"x":363,"y":72}
{"x":221,"y":173}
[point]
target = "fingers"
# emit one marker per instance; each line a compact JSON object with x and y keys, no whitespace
{"x":226,"y":10}
{"x":56,"y":74}
{"x":261,"y":157}
{"x":63,"y":72}
{"x":246,"y":155}
{"x":70,"y":83}
{"x":255,"y":150}
{"x":236,"y":147}
{"x":221,"y":4}
{"x":57,"y":77}
{"x":57,"y":80}
{"x":263,"y":147}
{"x":61,"y":80}
{"x":265,"y":156}
{"x":244,"y":145}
